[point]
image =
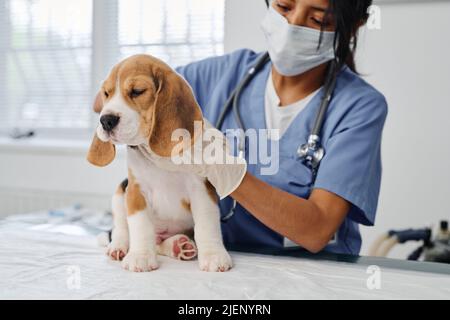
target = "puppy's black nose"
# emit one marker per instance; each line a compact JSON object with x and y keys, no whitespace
{"x":109,"y":122}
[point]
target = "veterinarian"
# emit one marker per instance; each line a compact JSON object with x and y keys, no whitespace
{"x":317,"y":208}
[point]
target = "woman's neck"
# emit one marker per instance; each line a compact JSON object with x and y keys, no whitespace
{"x":295,"y":88}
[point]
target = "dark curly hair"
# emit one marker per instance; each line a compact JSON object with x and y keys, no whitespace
{"x":349,"y":16}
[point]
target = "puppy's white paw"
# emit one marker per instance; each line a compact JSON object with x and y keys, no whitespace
{"x":118,"y":247}
{"x":215,"y":260}
{"x":140,"y":262}
{"x":179,"y":247}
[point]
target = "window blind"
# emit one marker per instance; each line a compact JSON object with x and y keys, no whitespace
{"x":176,"y":31}
{"x":54,"y":54}
{"x":45,"y":56}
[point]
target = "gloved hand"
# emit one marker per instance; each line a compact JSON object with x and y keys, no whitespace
{"x":209,"y":156}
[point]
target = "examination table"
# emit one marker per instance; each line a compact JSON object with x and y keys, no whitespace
{"x":55,"y":255}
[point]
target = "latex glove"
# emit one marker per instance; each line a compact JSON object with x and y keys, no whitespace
{"x":207,"y":157}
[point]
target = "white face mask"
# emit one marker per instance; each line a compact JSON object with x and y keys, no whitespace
{"x":294,"y":49}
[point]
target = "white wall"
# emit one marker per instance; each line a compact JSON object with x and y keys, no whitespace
{"x":407,"y":60}
{"x":40,"y":174}
{"x":242,"y":24}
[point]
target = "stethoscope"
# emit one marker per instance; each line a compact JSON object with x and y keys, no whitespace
{"x":310,"y":153}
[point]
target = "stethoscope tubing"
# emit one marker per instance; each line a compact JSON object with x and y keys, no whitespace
{"x":330,"y":84}
{"x":235,"y":95}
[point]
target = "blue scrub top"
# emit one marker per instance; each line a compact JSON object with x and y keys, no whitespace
{"x":351,"y":137}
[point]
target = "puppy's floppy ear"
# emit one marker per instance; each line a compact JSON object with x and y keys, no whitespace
{"x":101,"y":153}
{"x":98,"y":103}
{"x":174,"y":108}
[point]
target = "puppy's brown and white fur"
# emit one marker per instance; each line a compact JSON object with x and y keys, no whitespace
{"x":155,"y":210}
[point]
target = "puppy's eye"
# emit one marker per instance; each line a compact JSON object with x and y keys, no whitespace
{"x":136,"y":93}
{"x":106,"y":93}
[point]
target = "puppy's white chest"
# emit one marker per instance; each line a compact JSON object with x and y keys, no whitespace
{"x":166,"y":193}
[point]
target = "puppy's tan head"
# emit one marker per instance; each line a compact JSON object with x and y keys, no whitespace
{"x":142,"y":101}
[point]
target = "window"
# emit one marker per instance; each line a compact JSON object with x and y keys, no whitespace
{"x":176,"y":31}
{"x":54,"y":54}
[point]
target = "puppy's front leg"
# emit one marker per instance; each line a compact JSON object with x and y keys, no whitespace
{"x":141,"y":256}
{"x":212,"y":254}
{"x":118,"y":247}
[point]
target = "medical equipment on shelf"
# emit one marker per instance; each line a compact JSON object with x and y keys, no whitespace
{"x":435,"y":249}
{"x":311,"y":152}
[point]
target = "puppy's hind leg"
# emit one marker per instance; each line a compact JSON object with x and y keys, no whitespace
{"x":119,"y":245}
{"x":179,"y":247}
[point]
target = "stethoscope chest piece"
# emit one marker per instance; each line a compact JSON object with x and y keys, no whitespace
{"x":311,"y":153}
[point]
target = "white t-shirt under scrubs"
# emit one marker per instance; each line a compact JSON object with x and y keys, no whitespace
{"x":280,"y":117}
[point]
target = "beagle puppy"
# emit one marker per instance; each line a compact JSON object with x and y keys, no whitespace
{"x":155,"y":211}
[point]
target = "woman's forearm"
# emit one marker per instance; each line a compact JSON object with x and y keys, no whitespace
{"x":310,"y":223}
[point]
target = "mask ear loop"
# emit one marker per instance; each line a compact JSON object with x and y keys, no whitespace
{"x":326,"y":16}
